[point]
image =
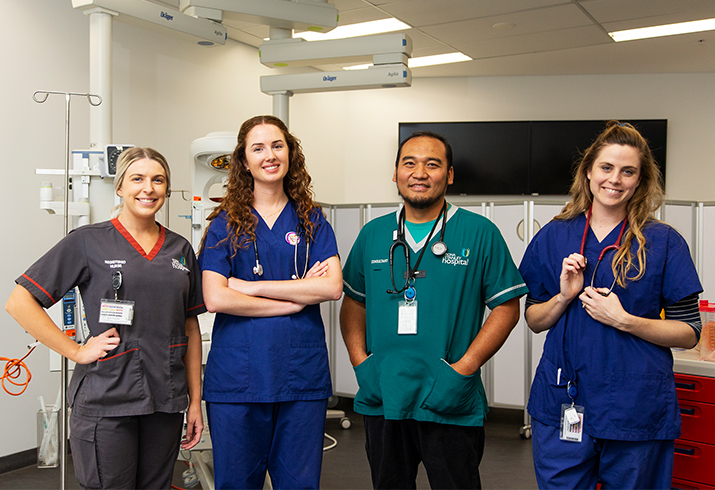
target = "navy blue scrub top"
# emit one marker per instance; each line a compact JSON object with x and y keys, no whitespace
{"x":625,"y":383}
{"x":274,"y":359}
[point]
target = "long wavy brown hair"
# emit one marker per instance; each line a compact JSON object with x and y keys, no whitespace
{"x":641,"y":207}
{"x":239,"y":194}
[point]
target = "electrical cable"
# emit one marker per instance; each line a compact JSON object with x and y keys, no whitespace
{"x":14,"y":369}
{"x":334,"y":442}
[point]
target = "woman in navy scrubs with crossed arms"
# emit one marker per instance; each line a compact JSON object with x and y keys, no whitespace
{"x":131,"y":380}
{"x":599,"y":276}
{"x":269,"y":258}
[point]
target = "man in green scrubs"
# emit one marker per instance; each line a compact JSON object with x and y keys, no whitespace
{"x":415,"y":331}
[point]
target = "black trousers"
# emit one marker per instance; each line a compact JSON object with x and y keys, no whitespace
{"x":125,"y":452}
{"x":450,"y":453}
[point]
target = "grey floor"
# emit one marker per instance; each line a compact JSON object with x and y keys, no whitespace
{"x":507,"y":460}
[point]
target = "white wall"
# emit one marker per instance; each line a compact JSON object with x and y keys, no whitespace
{"x":353,"y":136}
{"x":168,"y":92}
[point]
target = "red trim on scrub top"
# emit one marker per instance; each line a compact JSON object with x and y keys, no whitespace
{"x":157,"y":246}
{"x":39,"y":287}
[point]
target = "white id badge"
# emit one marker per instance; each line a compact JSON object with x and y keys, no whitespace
{"x":116,"y":311}
{"x":571,"y":423}
{"x":407,"y":318}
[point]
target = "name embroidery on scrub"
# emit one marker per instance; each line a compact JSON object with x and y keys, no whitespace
{"x":115,"y":264}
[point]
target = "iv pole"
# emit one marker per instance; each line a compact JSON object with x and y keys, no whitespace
{"x":38,"y":97}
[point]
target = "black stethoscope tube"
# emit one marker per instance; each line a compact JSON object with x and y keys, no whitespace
{"x":438,"y":249}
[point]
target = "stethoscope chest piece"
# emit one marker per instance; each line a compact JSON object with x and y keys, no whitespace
{"x":439,"y":248}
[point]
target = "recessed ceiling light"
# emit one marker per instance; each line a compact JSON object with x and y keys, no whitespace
{"x":664,"y":30}
{"x":355,"y":30}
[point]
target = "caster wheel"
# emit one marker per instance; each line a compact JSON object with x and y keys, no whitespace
{"x":345,"y":423}
{"x":525,"y":432}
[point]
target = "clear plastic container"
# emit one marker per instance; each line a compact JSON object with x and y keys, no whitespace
{"x":707,"y":337}
{"x":47,"y":440}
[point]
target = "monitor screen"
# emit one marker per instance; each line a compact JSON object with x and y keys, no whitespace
{"x":525,"y":157}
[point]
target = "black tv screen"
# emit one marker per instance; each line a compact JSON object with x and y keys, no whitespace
{"x":525,"y":157}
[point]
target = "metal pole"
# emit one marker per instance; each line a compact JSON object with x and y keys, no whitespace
{"x":65,"y":365}
{"x":281,"y":106}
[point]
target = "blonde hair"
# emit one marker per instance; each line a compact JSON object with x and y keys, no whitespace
{"x":126,"y":158}
{"x":640,"y":209}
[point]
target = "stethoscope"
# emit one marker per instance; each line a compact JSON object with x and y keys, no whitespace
{"x":439,"y":248}
{"x":294,"y":239}
{"x":615,"y":246}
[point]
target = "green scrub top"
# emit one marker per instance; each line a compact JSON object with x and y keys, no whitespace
{"x":408,"y":376}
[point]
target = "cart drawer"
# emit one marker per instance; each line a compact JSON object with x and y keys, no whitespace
{"x":679,"y":484}
{"x":696,"y":388}
{"x":697,"y":421}
{"x":694,"y":461}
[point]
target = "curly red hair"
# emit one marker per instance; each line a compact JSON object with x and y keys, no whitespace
{"x":239,"y":194}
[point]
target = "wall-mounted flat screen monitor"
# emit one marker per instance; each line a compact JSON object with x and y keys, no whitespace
{"x":525,"y":157}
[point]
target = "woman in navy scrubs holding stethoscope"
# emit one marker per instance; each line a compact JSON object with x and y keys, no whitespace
{"x":269,"y":258}
{"x":603,"y":401}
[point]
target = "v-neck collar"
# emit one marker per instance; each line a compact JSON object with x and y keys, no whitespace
{"x":417,"y":246}
{"x":277,"y":226}
{"x":157,"y":246}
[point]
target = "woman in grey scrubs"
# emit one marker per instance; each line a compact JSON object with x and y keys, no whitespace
{"x":141,"y":289}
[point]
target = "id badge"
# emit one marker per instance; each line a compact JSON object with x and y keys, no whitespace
{"x":116,"y":311}
{"x":407,"y":318}
{"x":571,"y":423}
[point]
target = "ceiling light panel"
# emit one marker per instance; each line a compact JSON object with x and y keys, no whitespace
{"x":664,"y":30}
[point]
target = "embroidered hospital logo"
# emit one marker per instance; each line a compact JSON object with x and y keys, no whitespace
{"x":465,"y":252}
{"x":454,"y":259}
{"x":178,"y":265}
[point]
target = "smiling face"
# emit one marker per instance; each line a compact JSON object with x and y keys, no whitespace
{"x":614,"y":177}
{"x":144,"y":189}
{"x":422,"y":174}
{"x":267,"y":154}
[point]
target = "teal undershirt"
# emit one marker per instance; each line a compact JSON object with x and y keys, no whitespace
{"x":420,"y":230}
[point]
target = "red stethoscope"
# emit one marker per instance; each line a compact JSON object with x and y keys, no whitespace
{"x":615,"y":246}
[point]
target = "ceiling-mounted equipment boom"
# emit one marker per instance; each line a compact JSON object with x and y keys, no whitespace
{"x":364,"y":49}
{"x":203,"y":31}
{"x":306,"y":15}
